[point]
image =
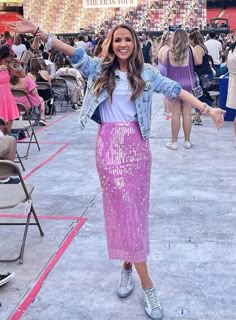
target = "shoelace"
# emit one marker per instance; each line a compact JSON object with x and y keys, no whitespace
{"x":151,"y":299}
{"x":125,"y":278}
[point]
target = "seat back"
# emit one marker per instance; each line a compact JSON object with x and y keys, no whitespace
{"x":21,"y":93}
{"x":70,"y":78}
{"x":59,"y":86}
{"x":9,"y":168}
{"x":44,"y":90}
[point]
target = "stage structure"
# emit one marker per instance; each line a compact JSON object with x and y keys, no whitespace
{"x":69,"y":16}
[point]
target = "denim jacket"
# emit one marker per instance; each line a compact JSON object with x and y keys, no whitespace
{"x":91,"y":69}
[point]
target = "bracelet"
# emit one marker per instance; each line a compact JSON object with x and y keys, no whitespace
{"x":206,"y":109}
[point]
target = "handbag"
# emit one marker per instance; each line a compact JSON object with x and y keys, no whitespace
{"x":205,"y":82}
{"x":197,"y":90}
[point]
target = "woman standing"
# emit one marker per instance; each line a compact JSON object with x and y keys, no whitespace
{"x":231,"y":96}
{"x":119,"y":97}
{"x":202,"y":67}
{"x":179,"y":67}
{"x":8,"y":67}
{"x":163,"y":48}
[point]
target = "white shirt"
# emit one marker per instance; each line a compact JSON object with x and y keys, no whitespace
{"x":19,"y":49}
{"x":121,"y":109}
{"x":80,"y":44}
{"x":214,"y":48}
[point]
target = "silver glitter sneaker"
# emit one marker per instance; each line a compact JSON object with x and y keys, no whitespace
{"x":126,"y":284}
{"x":152,"y":306}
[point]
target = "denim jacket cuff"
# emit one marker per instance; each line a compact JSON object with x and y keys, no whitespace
{"x":77,"y":56}
{"x":175,"y":92}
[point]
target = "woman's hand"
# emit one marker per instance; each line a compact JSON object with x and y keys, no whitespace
{"x":21,"y":26}
{"x":3,"y":67}
{"x":217,"y":115}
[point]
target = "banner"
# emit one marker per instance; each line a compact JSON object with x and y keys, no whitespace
{"x":109,"y":3}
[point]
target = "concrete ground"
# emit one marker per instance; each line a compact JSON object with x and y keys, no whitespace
{"x":66,"y":275}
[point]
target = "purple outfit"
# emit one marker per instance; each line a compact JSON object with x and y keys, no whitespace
{"x":162,"y":68}
{"x":123,"y":161}
{"x":184,"y":75}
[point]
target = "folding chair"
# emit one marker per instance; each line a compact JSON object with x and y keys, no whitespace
{"x":69,"y":77}
{"x":72,"y":79}
{"x":60,"y":90}
{"x":4,"y":126}
{"x":26,"y":126}
{"x":34,"y":109}
{"x":13,"y":194}
{"x":45,"y":91}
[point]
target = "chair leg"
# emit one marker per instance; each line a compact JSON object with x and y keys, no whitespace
{"x":26,"y":224}
{"x":35,"y":138}
{"x":37,"y":221}
{"x":24,"y":239}
{"x":20,"y":161}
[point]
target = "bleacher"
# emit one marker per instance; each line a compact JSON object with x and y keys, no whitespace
{"x":230,"y":14}
{"x":213,"y":13}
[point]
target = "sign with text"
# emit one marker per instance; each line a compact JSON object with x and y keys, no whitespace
{"x":109,"y":3}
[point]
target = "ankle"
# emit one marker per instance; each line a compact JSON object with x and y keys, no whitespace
{"x":147,"y":284}
{"x":127,"y":265}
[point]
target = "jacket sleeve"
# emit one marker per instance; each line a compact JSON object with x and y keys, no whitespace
{"x":84,"y":63}
{"x":168,"y":87}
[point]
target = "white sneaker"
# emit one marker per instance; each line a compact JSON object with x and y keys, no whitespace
{"x":152,"y":305}
{"x":126,"y":284}
{"x":172,"y":145}
{"x":187,"y":144}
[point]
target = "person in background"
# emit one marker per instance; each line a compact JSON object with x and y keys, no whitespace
{"x":18,"y":47}
{"x":119,"y":98}
{"x":179,"y":65}
{"x":214,"y":48}
{"x":146,"y":48}
{"x":7,"y":38}
{"x":9,"y":66}
{"x":202,"y":66}
{"x":30,"y":87}
{"x":7,"y":152}
{"x":63,"y":67}
{"x":231,"y":94}
{"x":163,"y":48}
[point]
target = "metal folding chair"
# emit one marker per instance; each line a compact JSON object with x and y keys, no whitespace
{"x":60,"y":91}
{"x":45,"y":91}
{"x":26,"y":126}
{"x":13,"y":194}
{"x":33,"y":110}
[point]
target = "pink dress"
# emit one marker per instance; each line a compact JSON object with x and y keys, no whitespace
{"x":8,"y":107}
{"x":29,"y":86}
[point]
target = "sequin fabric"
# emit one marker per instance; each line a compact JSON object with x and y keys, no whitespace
{"x":123,"y":162}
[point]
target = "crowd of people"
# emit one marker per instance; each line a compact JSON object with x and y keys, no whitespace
{"x":119,"y":74}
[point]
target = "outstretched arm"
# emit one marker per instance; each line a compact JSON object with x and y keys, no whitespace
{"x":216,"y":114}
{"x":26,"y":26}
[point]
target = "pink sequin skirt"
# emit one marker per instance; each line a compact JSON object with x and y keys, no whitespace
{"x":123,"y":162}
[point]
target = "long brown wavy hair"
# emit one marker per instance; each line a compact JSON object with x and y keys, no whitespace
{"x":111,"y":63}
{"x":197,"y":38}
{"x":179,"y":46}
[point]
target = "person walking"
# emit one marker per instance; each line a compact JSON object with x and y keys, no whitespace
{"x":119,"y":97}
